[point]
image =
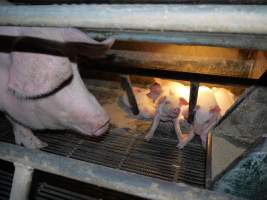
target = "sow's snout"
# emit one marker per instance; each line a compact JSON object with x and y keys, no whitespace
{"x":82,"y":111}
{"x":101,"y":127}
{"x":92,"y":123}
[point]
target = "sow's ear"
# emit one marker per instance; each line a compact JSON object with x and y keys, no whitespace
{"x":35,"y":75}
{"x":83,"y":45}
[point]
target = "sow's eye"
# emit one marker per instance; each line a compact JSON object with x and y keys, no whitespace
{"x":206,"y":122}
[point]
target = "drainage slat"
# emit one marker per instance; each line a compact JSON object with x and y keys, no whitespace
{"x":5,"y":184}
{"x":159,"y":158}
{"x":66,"y":194}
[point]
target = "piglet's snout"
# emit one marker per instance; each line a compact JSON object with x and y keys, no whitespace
{"x":175,"y":112}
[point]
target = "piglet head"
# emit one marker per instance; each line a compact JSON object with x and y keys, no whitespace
{"x":205,"y":119}
{"x":154,"y":91}
{"x":171,"y":105}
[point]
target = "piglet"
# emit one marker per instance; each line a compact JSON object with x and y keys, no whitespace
{"x":207,"y":113}
{"x":224,"y":98}
{"x":146,"y":99}
{"x":168,"y":109}
{"x":40,"y":91}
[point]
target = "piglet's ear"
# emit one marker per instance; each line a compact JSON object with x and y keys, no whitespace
{"x":182,"y":102}
{"x":136,"y":89}
{"x":33,"y":75}
{"x":216,"y":109}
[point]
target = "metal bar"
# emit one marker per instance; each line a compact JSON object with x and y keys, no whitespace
{"x":244,"y":41}
{"x":21,"y":184}
{"x":52,"y":47}
{"x":208,"y":161}
{"x":118,"y":180}
{"x":171,"y":17}
{"x":127,"y":86}
{"x":116,"y":67}
{"x":192,"y":101}
{"x":43,"y":2}
{"x":29,"y":44}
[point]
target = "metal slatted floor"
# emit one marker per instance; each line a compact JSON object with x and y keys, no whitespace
{"x":5,"y":184}
{"x":159,"y":158}
{"x":50,"y":187}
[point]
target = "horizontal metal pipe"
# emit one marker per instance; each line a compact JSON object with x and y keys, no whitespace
{"x":38,"y":2}
{"x":171,"y":17}
{"x":243,"y":41}
{"x":113,"y":66}
{"x":122,"y":181}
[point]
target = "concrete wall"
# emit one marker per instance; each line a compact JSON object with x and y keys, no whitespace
{"x":239,"y":130}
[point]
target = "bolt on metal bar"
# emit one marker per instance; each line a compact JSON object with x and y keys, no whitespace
{"x":130,"y":183}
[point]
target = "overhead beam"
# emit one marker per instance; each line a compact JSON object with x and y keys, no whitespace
{"x":38,"y":2}
{"x":170,"y":17}
{"x":116,"y":66}
{"x":243,"y":41}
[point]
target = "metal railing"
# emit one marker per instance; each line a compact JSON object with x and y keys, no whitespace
{"x":26,"y":160}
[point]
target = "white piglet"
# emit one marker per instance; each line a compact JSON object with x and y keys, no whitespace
{"x":207,"y":113}
{"x":168,"y":109}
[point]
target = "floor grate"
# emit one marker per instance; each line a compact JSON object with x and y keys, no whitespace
{"x":159,"y":158}
{"x":51,"y":187}
{"x":5,"y":184}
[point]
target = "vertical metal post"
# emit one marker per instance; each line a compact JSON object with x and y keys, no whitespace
{"x":208,"y":161}
{"x":21,"y":182}
{"x":192,"y":101}
{"x":127,"y":86}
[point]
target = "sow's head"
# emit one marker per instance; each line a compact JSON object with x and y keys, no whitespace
{"x":53,"y":86}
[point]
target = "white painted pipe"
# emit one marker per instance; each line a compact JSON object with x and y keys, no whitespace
{"x":21,"y":184}
{"x":196,"y":18}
